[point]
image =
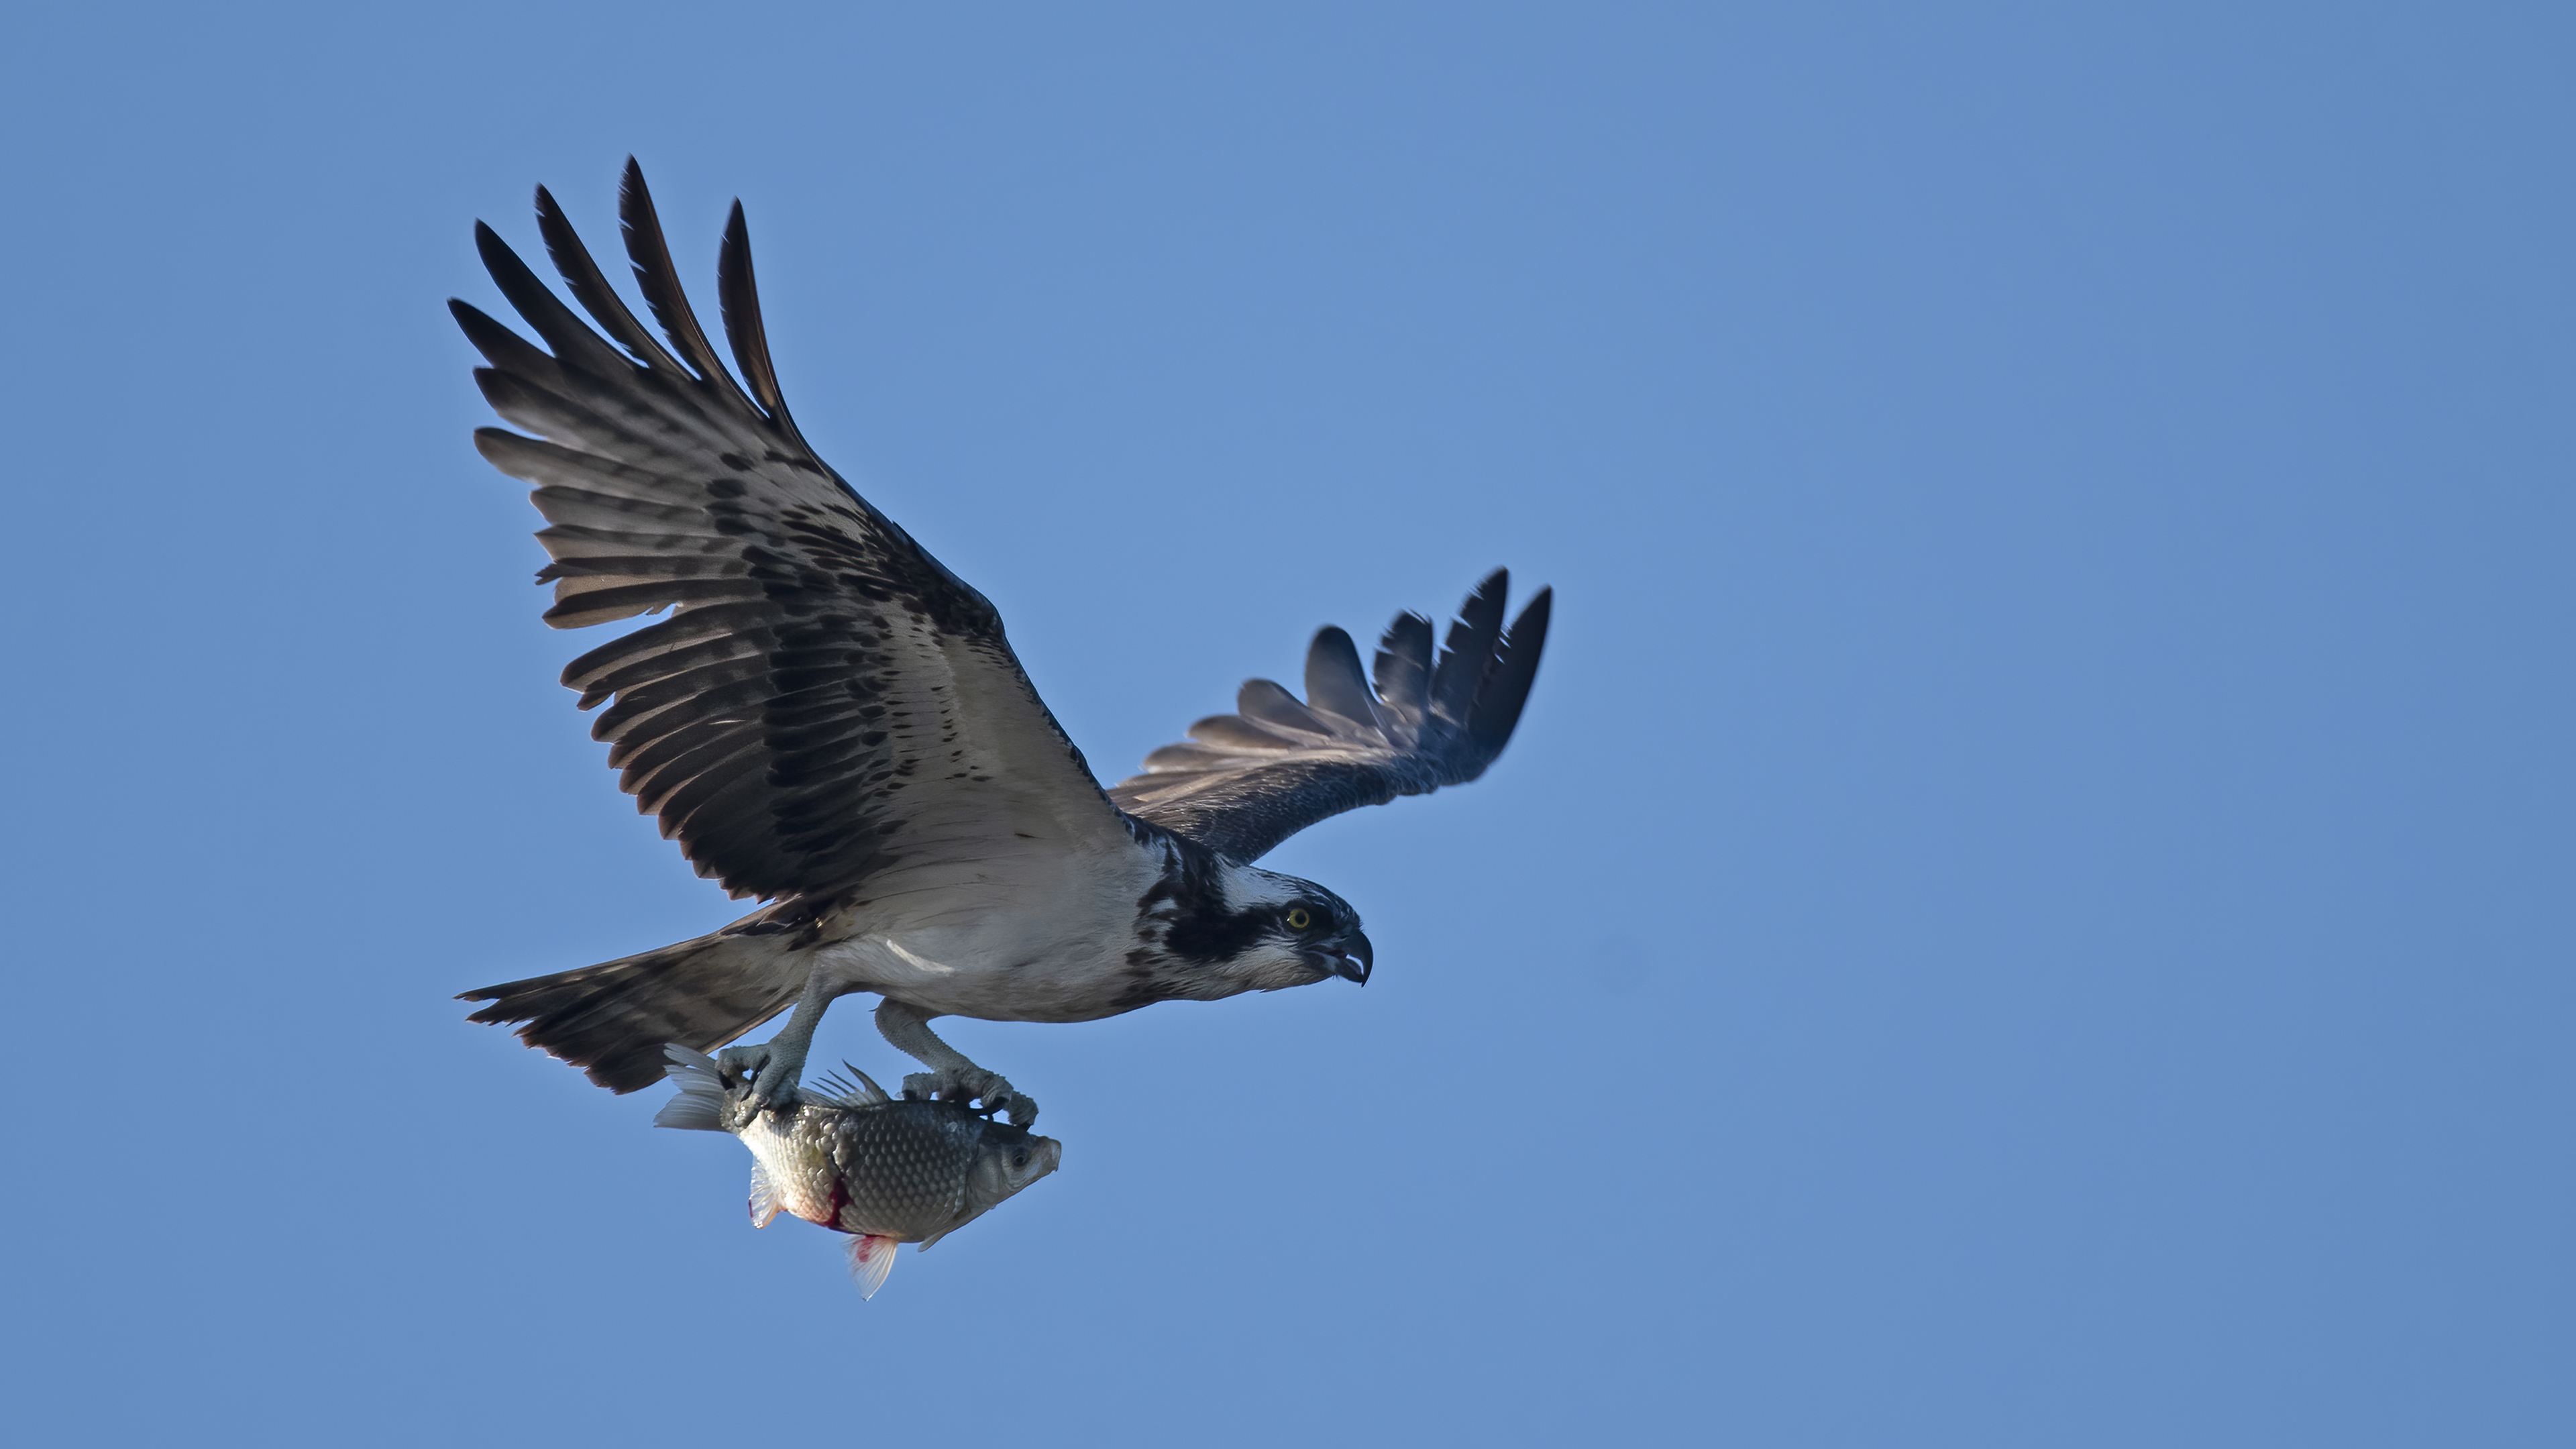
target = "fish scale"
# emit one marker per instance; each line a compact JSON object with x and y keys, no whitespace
{"x":849,"y":1158}
{"x":903,"y":1163}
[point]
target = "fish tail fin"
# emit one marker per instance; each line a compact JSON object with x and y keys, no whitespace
{"x":871,"y":1259}
{"x":700,"y":1103}
{"x":764,"y":1197}
{"x":613,"y":1019}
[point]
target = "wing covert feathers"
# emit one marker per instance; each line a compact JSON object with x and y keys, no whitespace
{"x":1245,"y":781}
{"x":819,"y":685}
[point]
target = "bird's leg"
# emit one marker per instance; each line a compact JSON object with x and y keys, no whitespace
{"x":951,"y":1077}
{"x":778,"y":1064}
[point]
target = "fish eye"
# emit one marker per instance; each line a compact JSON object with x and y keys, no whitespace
{"x":1020,"y":1158}
{"x":1298,"y":920}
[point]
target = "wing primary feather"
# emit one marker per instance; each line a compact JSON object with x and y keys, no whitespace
{"x":522,"y":403}
{"x":738,"y":300}
{"x":1506,"y":689}
{"x":1234,"y":732}
{"x":1264,"y":700}
{"x":1333,"y":679}
{"x":754,"y":719}
{"x":500,"y":346}
{"x":589,"y":286}
{"x":1403,"y":671}
{"x":548,"y":465}
{"x":1244,"y":782}
{"x":574,"y":344}
{"x":1470,"y":649}
{"x":659,"y":281}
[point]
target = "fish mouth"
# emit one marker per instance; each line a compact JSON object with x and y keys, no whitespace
{"x":1348,"y":956}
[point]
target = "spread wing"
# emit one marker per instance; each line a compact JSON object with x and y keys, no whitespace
{"x":1246,"y":781}
{"x":825,"y":701}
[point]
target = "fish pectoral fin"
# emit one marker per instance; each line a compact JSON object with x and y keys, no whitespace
{"x":965,"y":1214}
{"x":764,"y":1198}
{"x":871,"y":1259}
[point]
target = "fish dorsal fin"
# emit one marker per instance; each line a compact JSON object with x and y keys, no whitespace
{"x":700,"y":1105}
{"x":838,"y":1091}
{"x":764,"y":1198}
{"x":871,"y":1259}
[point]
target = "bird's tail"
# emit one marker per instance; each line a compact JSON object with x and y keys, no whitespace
{"x":613,"y":1019}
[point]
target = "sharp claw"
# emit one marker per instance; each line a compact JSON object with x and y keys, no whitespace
{"x":979,"y":1091}
{"x":756,"y":1072}
{"x":736,"y":1066}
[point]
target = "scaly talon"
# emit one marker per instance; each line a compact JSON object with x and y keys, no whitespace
{"x":973,"y":1084}
{"x":759,"y":1073}
{"x":951,"y":1077}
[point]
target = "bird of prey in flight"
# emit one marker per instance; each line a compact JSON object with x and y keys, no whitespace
{"x":832,"y":722}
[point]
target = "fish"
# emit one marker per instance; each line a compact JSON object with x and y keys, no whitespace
{"x":885,"y":1170}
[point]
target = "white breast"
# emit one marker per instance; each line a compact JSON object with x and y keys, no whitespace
{"x":1036,"y":932}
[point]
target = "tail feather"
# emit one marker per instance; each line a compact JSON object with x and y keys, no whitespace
{"x":613,"y":1019}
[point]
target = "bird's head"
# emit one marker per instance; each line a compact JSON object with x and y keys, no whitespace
{"x":1262,"y":931}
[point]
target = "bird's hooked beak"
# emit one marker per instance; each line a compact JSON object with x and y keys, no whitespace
{"x":1350,"y":956}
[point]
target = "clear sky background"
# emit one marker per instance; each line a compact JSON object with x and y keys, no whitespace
{"x":2030,"y":905}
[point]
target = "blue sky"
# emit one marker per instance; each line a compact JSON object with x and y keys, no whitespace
{"x":2030,"y":905}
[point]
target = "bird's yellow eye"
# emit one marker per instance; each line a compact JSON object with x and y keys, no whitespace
{"x":1298,"y":920}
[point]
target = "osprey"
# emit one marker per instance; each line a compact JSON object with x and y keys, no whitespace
{"x":831,"y":721}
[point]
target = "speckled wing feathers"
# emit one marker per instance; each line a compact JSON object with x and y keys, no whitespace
{"x":1245,"y":781}
{"x":822,"y":688}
